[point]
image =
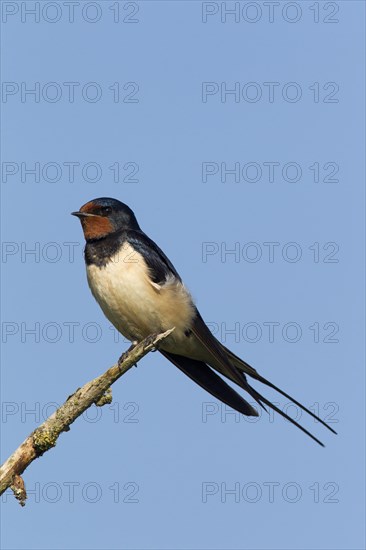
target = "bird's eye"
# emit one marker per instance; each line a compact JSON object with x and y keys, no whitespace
{"x":106,"y":210}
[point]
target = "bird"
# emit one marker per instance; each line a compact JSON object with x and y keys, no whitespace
{"x":141,"y":293}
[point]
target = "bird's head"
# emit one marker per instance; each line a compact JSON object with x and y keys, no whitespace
{"x":103,"y":216}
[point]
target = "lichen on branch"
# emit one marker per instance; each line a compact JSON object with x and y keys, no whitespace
{"x":44,"y":438}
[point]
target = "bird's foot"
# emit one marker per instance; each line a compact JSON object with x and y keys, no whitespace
{"x":125,"y":354}
{"x":150,"y":340}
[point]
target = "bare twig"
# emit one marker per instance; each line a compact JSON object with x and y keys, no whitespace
{"x":44,"y":437}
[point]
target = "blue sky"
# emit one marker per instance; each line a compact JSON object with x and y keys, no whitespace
{"x":238,"y":140}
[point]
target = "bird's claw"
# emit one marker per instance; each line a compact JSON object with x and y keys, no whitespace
{"x":125,"y":354}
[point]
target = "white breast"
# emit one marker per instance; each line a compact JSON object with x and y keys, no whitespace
{"x":134,"y":304}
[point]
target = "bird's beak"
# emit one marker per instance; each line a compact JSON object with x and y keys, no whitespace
{"x":82,"y":214}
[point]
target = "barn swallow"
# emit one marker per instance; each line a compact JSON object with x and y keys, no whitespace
{"x":141,"y":293}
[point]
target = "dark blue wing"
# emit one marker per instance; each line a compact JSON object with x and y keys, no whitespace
{"x":161,"y":268}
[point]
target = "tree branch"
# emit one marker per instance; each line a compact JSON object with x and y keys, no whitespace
{"x":44,"y":437}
